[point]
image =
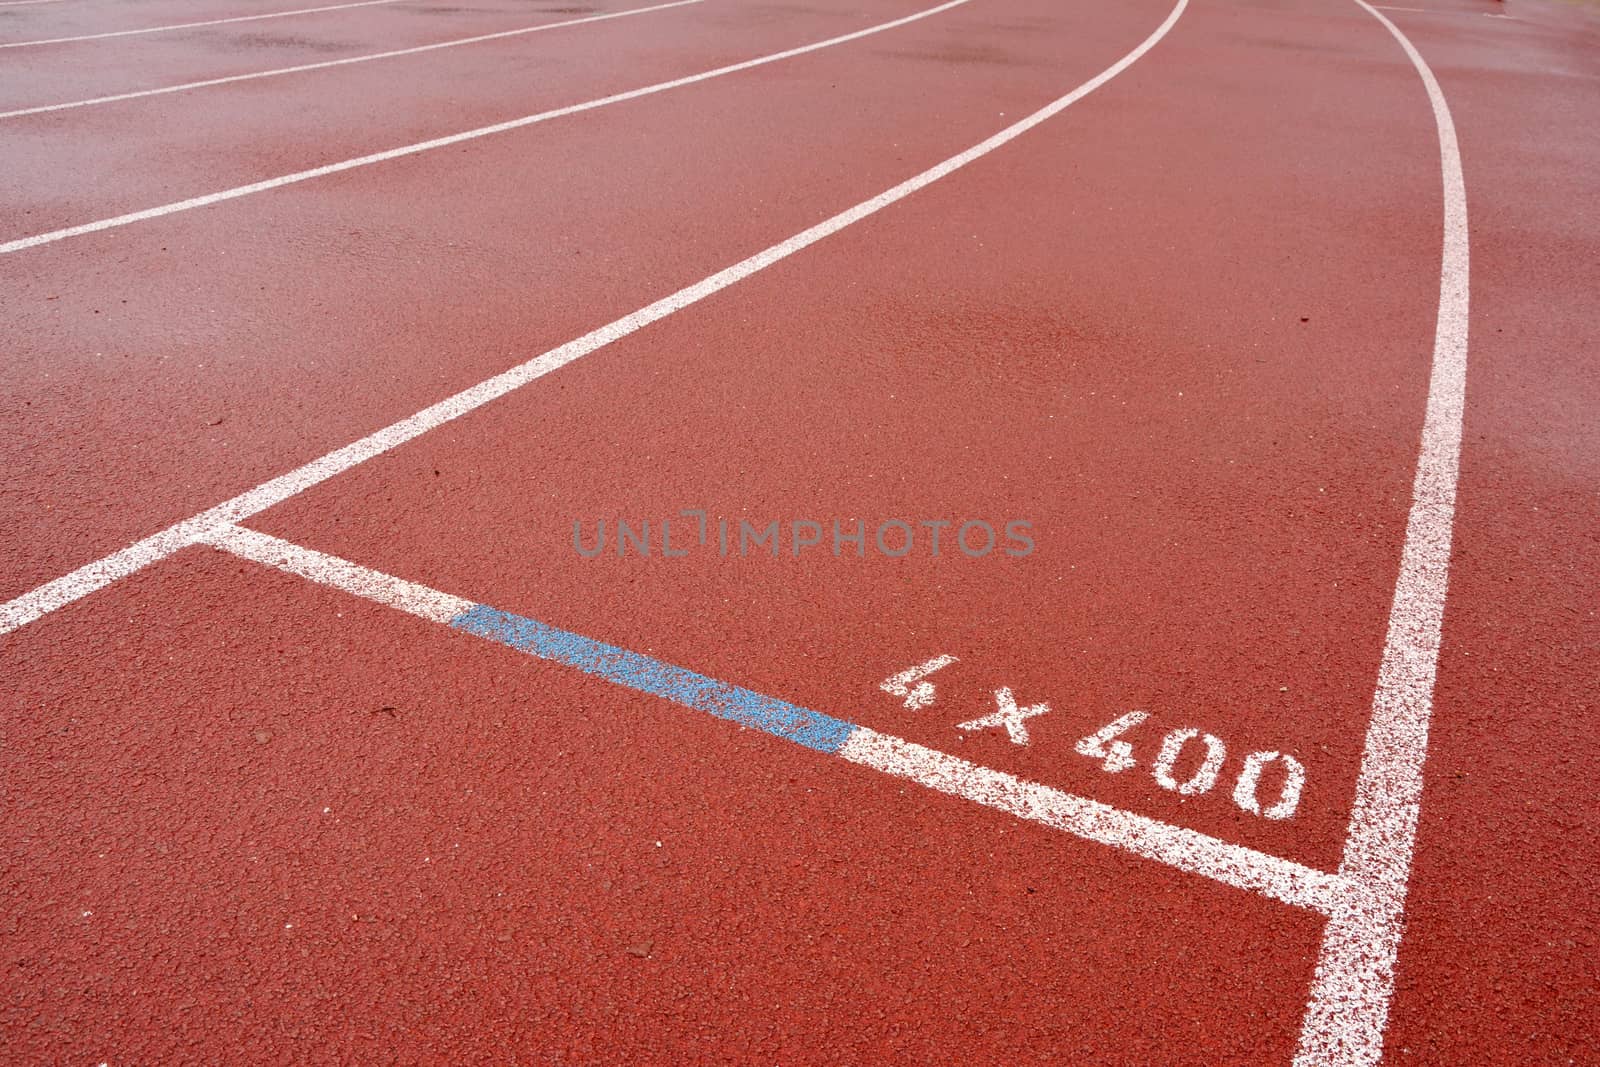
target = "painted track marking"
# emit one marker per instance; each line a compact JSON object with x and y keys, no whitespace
{"x":911,"y":683}
{"x":193,"y":25}
{"x":1354,"y":981}
{"x":456,"y":138}
{"x":1177,"y":846}
{"x":90,"y":577}
{"x":339,"y":62}
{"x":1347,"y":1010}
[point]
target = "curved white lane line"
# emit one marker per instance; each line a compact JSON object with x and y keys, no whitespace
{"x":24,"y":3}
{"x":193,"y":25}
{"x":455,"y":138}
{"x":1350,"y":993}
{"x":90,"y":577}
{"x":338,"y":62}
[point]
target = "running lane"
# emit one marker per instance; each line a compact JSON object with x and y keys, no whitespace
{"x":309,"y":827}
{"x":1500,"y":951}
{"x":214,"y":349}
{"x":1163,"y":330}
{"x":37,"y":76}
{"x":76,"y":167}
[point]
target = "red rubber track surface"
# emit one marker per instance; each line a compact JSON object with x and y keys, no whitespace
{"x":54,"y":74}
{"x":1184,"y":328}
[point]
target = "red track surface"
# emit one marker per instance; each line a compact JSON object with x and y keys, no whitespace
{"x":1184,"y":328}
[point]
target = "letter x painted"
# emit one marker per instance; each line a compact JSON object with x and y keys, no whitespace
{"x":1010,"y":716}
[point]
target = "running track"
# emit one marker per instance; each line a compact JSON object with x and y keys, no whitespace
{"x":322,"y":742}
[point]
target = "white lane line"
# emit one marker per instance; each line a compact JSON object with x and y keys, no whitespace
{"x":23,"y":3}
{"x":340,"y":62}
{"x":456,"y":138}
{"x":102,"y":572}
{"x":1354,"y":982}
{"x":338,"y":573}
{"x":1186,"y":849}
{"x":193,"y":25}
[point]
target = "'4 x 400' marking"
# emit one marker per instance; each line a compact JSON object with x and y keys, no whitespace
{"x":1116,"y":755}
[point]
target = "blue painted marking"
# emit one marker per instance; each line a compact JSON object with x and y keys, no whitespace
{"x":777,"y":717}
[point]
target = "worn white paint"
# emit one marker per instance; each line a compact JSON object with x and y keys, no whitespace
{"x":909,"y":682}
{"x":324,"y":569}
{"x":1245,"y":790}
{"x":1007,"y":716}
{"x":1204,"y":777}
{"x":1116,"y":755}
{"x":1185,"y":849}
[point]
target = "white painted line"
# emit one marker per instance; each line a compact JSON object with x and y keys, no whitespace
{"x":1354,"y":982}
{"x":102,"y":572}
{"x":22,"y":3}
{"x":323,"y":569}
{"x":454,"y":138}
{"x":1188,"y":850}
{"x":339,"y":62}
{"x":193,"y":25}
